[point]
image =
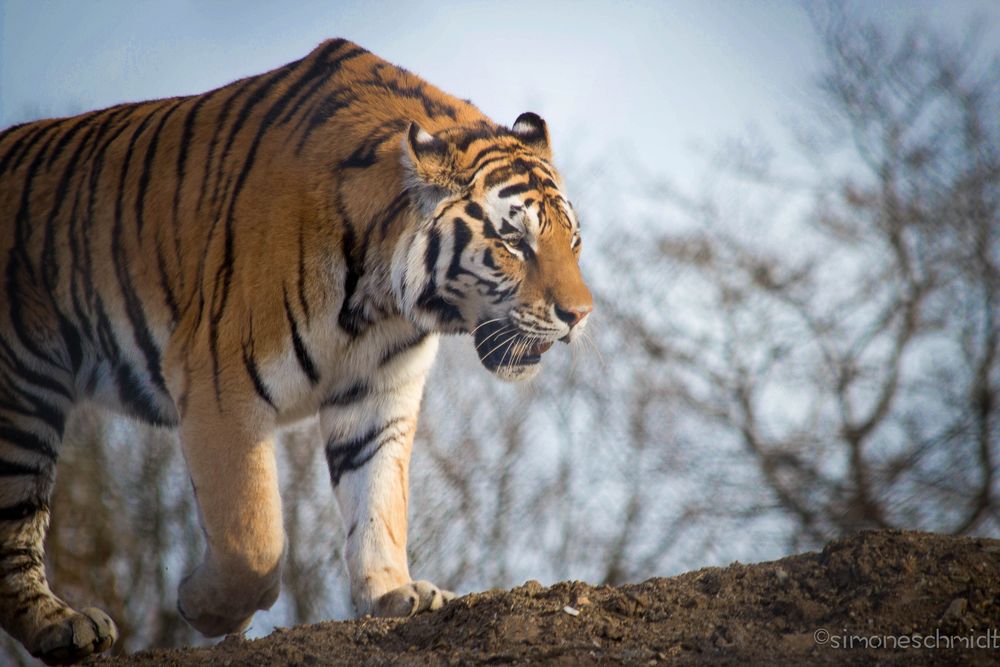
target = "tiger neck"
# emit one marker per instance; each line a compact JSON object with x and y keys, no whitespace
{"x":371,"y":256}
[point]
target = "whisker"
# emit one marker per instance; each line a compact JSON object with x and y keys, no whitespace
{"x":483,"y":324}
{"x":585,"y":336}
{"x":519,"y":348}
{"x":504,"y":342}
{"x":498,"y":332}
{"x":516,"y":352}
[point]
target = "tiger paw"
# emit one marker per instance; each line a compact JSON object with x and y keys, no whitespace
{"x":214,"y":606}
{"x":412,"y":598}
{"x":75,"y":637}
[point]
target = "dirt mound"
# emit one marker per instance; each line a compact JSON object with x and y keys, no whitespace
{"x":910,"y":598}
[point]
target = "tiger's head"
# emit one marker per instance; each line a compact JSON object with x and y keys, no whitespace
{"x":497,"y":249}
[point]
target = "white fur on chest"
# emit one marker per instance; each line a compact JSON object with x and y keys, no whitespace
{"x":389,"y":353}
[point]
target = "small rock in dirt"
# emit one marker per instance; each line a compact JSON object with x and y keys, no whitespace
{"x":955,"y":610}
{"x":571,"y":611}
{"x":532,"y":587}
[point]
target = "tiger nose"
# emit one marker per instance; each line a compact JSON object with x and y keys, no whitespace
{"x":572,"y":316}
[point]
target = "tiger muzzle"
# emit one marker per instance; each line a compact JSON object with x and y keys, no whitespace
{"x":501,"y":344}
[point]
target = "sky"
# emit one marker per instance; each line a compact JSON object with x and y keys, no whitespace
{"x":653,"y":81}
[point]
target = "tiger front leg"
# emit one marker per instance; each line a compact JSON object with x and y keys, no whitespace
{"x":368,"y":452}
{"x":235,"y":481}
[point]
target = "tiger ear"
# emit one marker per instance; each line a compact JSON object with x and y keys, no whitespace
{"x":431,"y":160}
{"x":532,"y":131}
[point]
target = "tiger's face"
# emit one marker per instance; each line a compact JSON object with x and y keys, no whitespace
{"x":497,"y":253}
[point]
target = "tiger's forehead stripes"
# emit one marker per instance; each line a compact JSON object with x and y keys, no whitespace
{"x":534,"y":180}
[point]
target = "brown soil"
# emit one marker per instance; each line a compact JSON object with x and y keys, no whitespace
{"x":891,"y":586}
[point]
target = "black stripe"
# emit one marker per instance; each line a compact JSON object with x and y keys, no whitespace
{"x":50,"y":265}
{"x":489,"y":163}
{"x":474,"y":210}
{"x":22,"y":233}
{"x":20,"y":512}
{"x":136,"y":398}
{"x":322,"y":112}
{"x":27,"y":337}
{"x":512,"y":190}
{"x":250,"y":364}
{"x":71,"y":338}
{"x":133,"y":305}
{"x":13,"y":469}
{"x":488,"y":150}
{"x":147,"y":169}
{"x":303,"y":301}
{"x":31,"y":136}
{"x":306,"y":362}
{"x":26,"y":373}
{"x":187,"y":135}
{"x":356,"y":392}
{"x":429,"y":298}
{"x":506,"y":229}
{"x":432,"y":107}
{"x":168,"y":292}
{"x":43,"y":410}
{"x":220,"y":122}
{"x":482,"y":130}
{"x":97,"y":169}
{"x":83,"y":320}
{"x":26,"y":441}
{"x":30,"y":143}
{"x":348,"y":455}
{"x":366,"y":153}
{"x":431,"y":301}
{"x":392,"y":212}
{"x":258,"y":383}
{"x":400,"y":348}
{"x":432,"y":251}
{"x":497,"y":176}
{"x":461,"y":238}
{"x":82,"y":122}
{"x":259,"y":94}
{"x":11,"y":129}
{"x":331,"y":68}
{"x":105,"y":334}
{"x":30,"y":553}
{"x":346,"y":317}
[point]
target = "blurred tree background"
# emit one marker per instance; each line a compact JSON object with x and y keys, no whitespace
{"x":804,"y":348}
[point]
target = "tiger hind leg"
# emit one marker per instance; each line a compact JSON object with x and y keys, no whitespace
{"x":30,"y":429}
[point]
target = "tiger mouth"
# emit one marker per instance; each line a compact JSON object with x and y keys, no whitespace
{"x":501,"y":344}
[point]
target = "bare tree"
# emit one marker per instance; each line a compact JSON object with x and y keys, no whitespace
{"x":851,"y":353}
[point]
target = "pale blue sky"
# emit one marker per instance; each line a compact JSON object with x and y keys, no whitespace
{"x":644,"y":78}
{"x":649,"y":78}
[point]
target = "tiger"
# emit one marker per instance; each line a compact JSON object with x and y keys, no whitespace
{"x":288,"y":246}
